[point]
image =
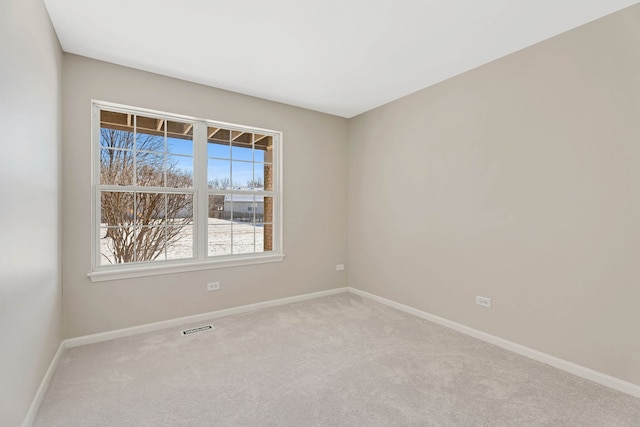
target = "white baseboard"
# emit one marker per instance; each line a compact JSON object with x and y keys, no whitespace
{"x":149,"y":327}
{"x":565,"y":365}
{"x":44,"y":386}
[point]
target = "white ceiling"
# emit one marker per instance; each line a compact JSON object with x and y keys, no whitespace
{"x":342,"y":57}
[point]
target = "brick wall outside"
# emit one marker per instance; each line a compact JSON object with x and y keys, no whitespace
{"x":268,"y":204}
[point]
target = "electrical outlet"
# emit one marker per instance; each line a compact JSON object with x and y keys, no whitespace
{"x":339,"y":267}
{"x":483,"y":301}
{"x":213,"y":286}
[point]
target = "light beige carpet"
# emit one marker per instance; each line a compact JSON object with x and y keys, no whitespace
{"x":333,"y":361}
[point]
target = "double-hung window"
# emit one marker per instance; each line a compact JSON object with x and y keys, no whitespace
{"x":176,"y":193}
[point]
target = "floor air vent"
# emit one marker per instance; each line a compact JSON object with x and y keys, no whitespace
{"x":196,"y":330}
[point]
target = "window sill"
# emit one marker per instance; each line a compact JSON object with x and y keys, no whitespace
{"x":117,"y":273}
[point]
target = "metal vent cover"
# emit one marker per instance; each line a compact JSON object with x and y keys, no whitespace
{"x":196,"y":330}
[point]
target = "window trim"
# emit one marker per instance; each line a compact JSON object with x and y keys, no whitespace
{"x":201,"y":260}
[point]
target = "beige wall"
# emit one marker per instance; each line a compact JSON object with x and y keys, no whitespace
{"x":520,"y":181}
{"x":315,"y":202}
{"x":30,"y":286}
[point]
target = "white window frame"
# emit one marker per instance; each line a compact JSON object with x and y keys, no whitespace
{"x":201,"y":260}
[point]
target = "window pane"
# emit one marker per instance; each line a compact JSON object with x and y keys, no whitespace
{"x":179,"y":242}
{"x":180,"y":146}
{"x":259,"y":147}
{"x":268,"y":208}
{"x":116,"y":245}
{"x":122,"y":122}
{"x":150,"y":208}
{"x":267,"y":177}
{"x":263,"y":149}
{"x":258,"y":176}
{"x":150,"y":243}
{"x":116,"y":208}
{"x":258,"y":156}
{"x":241,"y":147}
{"x":221,"y":150}
{"x":218,"y":174}
{"x":259,"y":230}
{"x":150,"y":169}
{"x":150,"y":134}
{"x":179,"y":171}
{"x":243,"y":207}
{"x":180,"y":137}
{"x":219,"y":135}
{"x":114,"y":138}
{"x":243,"y":238}
{"x":263,"y":142}
{"x":259,"y":209}
{"x":217,"y":207}
{"x":116,"y":167}
{"x":219,"y":239}
{"x":267,"y":245}
{"x":241,"y":175}
{"x":179,"y":209}
{"x":149,"y":124}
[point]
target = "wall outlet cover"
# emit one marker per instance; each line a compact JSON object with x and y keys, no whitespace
{"x":483,"y":301}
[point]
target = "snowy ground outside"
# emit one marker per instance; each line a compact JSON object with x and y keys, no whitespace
{"x":223,"y":235}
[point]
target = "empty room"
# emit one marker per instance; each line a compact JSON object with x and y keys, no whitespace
{"x":320,"y":213}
